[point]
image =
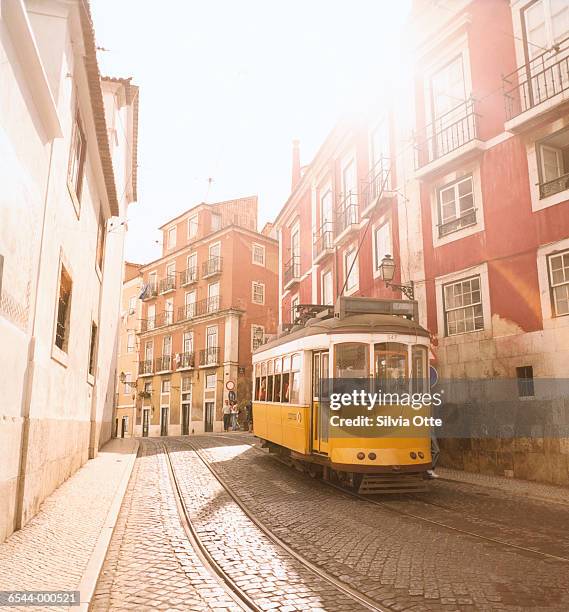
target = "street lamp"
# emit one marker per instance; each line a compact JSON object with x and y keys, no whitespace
{"x":387,"y":268}
{"x":124,"y":381}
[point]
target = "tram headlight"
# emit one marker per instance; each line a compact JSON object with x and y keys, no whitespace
{"x":361,"y":455}
{"x":372,"y":456}
{"x":413,"y":455}
{"x":421,"y":455}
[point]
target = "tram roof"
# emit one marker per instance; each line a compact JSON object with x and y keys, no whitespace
{"x":361,"y":323}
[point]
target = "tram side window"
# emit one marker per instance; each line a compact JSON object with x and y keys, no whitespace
{"x":295,"y":378}
{"x":391,"y":371}
{"x":286,"y":380}
{"x":419,"y":373}
{"x":263,"y":386}
{"x":257,"y":380}
{"x":277,"y":387}
{"x":351,"y":360}
{"x":270,"y":381}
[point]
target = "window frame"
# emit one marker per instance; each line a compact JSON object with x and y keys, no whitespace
{"x":75,"y":180}
{"x":193,"y":223}
{"x":454,"y":185}
{"x":253,"y":327}
{"x":552,"y":286}
{"x":382,"y":225}
{"x":323,"y":275}
{"x":354,"y":269}
{"x":261,"y":248}
{"x":444,"y":286}
{"x":255,"y":285}
{"x":62,"y":274}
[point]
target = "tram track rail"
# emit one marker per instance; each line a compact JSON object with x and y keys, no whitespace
{"x":356,"y":596}
{"x":385,"y":505}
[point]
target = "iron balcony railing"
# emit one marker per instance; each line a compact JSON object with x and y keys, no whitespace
{"x":292,"y":269}
{"x":376,"y":182}
{"x":347,"y":213}
{"x":323,"y":239}
{"x":448,"y":133}
{"x":167,"y":284}
{"x":150,"y":292}
{"x":187,"y":360}
{"x":188,"y":276}
{"x":145,"y":367}
{"x":537,"y":81}
{"x":448,"y":227}
{"x":160,"y":320}
{"x":211,"y":266}
{"x":187,"y":312}
{"x":209,"y":356}
{"x":561,"y":183}
{"x":164,"y":363}
{"x":208,"y":305}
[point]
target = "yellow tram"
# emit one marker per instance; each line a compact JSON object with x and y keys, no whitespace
{"x":362,"y":338}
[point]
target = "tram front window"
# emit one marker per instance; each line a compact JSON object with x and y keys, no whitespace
{"x":351,"y":360}
{"x":391,"y":367}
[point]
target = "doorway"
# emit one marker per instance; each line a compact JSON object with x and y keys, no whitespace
{"x":209,"y":412}
{"x":145,"y":422}
{"x":124,"y":426}
{"x":320,"y":408}
{"x":164,"y":421}
{"x":185,"y":419}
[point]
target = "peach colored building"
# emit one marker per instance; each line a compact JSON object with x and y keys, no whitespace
{"x":207,"y":302}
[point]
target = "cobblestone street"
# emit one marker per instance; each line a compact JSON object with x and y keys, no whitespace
{"x":281,"y":540}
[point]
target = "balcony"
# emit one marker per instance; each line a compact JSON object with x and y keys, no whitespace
{"x":451,"y":138}
{"x":160,"y":320}
{"x":186,"y":361}
{"x":149,"y":292}
{"x":211,"y":267}
{"x":188,"y":276}
{"x":165,"y":285}
{"x":208,"y":305}
{"x":538,"y":86}
{"x":291,"y":273}
{"x":164,"y":363}
{"x":209,"y":357}
{"x":323,"y":244}
{"x":465,"y":220}
{"x":376,"y":186}
{"x":561,"y":183}
{"x":145,"y":367}
{"x":347,"y":218}
{"x":186,"y":312}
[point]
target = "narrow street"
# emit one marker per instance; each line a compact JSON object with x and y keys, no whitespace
{"x":214,"y":522}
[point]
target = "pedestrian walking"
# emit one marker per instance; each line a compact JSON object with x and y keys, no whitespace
{"x":435,"y":452}
{"x":234,"y":413}
{"x":249,"y":416}
{"x":226,"y":415}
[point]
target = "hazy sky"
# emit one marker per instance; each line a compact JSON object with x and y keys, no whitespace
{"x":225,"y":85}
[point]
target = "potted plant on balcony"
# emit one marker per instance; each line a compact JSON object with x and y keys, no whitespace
{"x":144,"y":394}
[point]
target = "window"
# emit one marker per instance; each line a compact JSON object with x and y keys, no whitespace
{"x":192,"y":227}
{"x":77,"y":159}
{"x":171,"y":271}
{"x":525,"y":381}
{"x":270,"y":380}
{"x":456,"y":206}
{"x":130,"y":342}
{"x":257,"y":335}
{"x":559,"y":280}
{"x":210,"y":381}
{"x":351,"y":272}
{"x":152,"y":281}
{"x":151,"y":317}
{"x":100,"y":242}
{"x":448,"y":91}
{"x":294,"y":378}
{"x":381,"y":244}
{"x":257,"y":380}
{"x":172,"y":237}
{"x":258,"y":293}
{"x":349,"y":179}
{"x":169,"y":311}
{"x":263,"y":383}
{"x":547,"y":22}
{"x":213,"y":297}
{"x":127,"y":386}
{"x":188,"y":342}
{"x":293,"y":308}
{"x":148,"y":387}
{"x":327,"y":289}
{"x":167,"y":346}
{"x":259,"y":254}
{"x":215,"y":222}
{"x":463,"y":306}
{"x":132,"y":305}
{"x":211,"y":348}
{"x":285,"y":389}
{"x":553,"y":164}
{"x":92,"y":348}
{"x":390,"y":367}
{"x":278,"y":376}
{"x":419,"y":369}
{"x":149,"y":350}
{"x":190,"y":301}
{"x":295,"y":252}
{"x":351,"y":360}
{"x":63,"y":310}
{"x":165,"y":386}
{"x":214,"y":250}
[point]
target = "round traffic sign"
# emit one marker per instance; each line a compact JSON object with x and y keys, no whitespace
{"x":230,"y":385}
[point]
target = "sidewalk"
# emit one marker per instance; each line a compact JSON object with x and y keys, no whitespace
{"x":525,"y":488}
{"x":63,"y":547}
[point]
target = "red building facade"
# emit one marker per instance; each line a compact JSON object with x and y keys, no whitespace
{"x":476,"y":199}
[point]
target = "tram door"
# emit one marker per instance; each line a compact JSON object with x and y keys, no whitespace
{"x":320,"y":409}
